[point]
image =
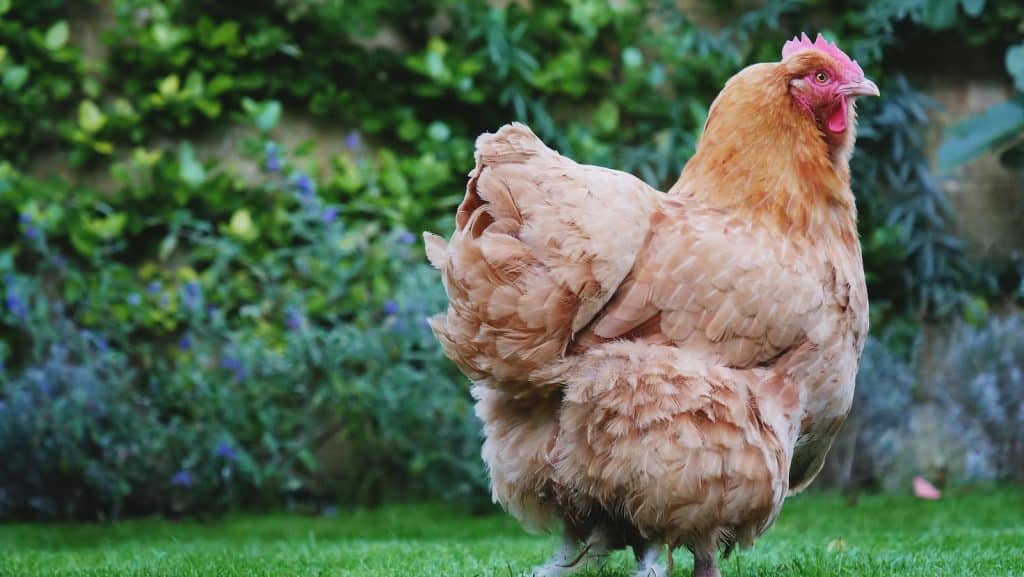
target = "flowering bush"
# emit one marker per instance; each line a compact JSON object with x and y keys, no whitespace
{"x":221,"y":371}
{"x":982,"y":389}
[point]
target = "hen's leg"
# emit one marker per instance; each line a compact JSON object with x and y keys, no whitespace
{"x":647,"y":564}
{"x":556,"y":565}
{"x":574,"y":555}
{"x":705,"y":564}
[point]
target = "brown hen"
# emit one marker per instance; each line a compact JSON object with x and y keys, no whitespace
{"x":657,"y":369}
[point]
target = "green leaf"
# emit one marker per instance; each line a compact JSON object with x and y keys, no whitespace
{"x":103,"y":146}
{"x":146,"y":158}
{"x":973,"y":7}
{"x":269,"y":115}
{"x":939,"y":14}
{"x":167,"y":246}
{"x":439,"y":131}
{"x":15,"y":77}
{"x":5,"y":6}
{"x":83,"y":242}
{"x":308,"y":460}
{"x":165,"y":36}
{"x":90,"y":117}
{"x":982,"y":133}
{"x":169,"y":86}
{"x":632,"y":57}
{"x":108,"y":227}
{"x":189,"y":168}
{"x":194,"y":84}
{"x":1015,"y":65}
{"x":219,"y":84}
{"x":225,"y":35}
{"x":606,"y":117}
{"x":56,"y":36}
{"x":241,"y":225}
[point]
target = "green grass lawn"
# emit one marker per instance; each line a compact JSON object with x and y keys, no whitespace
{"x":977,"y":534}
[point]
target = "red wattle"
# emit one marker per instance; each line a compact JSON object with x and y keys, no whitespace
{"x":837,"y":120}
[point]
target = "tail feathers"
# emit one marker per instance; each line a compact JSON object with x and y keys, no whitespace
{"x":513,"y":143}
{"x":509,"y":319}
{"x":483,"y":206}
{"x":532,"y":259}
{"x":437,"y":250}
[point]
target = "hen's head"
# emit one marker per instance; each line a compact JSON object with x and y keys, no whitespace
{"x":824,"y":81}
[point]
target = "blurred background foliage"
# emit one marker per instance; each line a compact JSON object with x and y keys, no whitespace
{"x":214,"y":292}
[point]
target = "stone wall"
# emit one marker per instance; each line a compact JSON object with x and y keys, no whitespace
{"x":988,"y":198}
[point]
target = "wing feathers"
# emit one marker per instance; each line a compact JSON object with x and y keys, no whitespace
{"x":739,"y":307}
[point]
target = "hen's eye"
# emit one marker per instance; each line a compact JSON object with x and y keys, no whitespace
{"x":821,"y":78}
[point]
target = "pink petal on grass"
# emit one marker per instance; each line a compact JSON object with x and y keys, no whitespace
{"x":925,"y":490}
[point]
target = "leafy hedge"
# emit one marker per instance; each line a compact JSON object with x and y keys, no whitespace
{"x":209,"y":374}
{"x":185,"y":333}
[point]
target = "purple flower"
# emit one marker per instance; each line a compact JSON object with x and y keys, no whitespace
{"x":134,"y":299}
{"x":182,"y":479}
{"x":226,"y":451}
{"x":304,"y":184}
{"x":154,"y":287}
{"x":353,"y":141}
{"x":330,"y":215}
{"x":45,"y":388}
{"x":233,"y":364}
{"x":406,"y":238}
{"x":142,"y":16}
{"x":390,"y":308}
{"x":294,"y":320}
{"x":31,"y":232}
{"x":273,"y":157}
{"x":24,"y":218}
{"x":102,"y":345}
{"x":16,"y":306}
{"x":273,"y":164}
{"x":193,"y":294}
{"x":185,"y":343}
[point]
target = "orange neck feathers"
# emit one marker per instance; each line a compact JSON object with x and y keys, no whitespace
{"x":764,"y":157}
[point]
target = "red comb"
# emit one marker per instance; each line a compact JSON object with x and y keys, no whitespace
{"x":804,"y":43}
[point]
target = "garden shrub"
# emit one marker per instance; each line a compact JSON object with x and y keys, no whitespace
{"x":208,"y":377}
{"x":982,"y":389}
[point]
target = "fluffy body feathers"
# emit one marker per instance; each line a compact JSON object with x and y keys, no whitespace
{"x":661,"y":368}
